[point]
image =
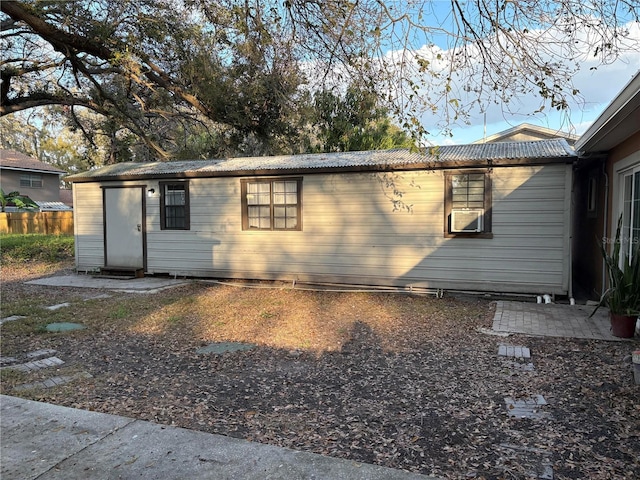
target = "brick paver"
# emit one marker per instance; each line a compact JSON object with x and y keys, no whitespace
{"x":513,"y":351}
{"x":36,"y":364}
{"x":45,"y":352}
{"x":526,"y":407}
{"x":552,"y":320}
{"x":54,"y":381}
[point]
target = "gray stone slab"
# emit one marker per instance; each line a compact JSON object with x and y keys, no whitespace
{"x":49,"y":442}
{"x":53,"y":308}
{"x":45,"y":352}
{"x":12,"y":318}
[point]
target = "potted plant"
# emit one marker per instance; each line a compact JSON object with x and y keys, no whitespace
{"x":623,"y":295}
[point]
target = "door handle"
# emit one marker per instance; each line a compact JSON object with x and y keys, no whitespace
{"x":139,"y":227}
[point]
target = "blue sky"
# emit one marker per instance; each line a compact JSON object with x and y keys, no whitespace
{"x":598,"y":87}
{"x":598,"y":84}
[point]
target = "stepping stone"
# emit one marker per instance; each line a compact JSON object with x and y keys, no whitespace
{"x":543,"y":466}
{"x":58,"y":306}
{"x":526,"y":408}
{"x":64,"y":327}
{"x":36,"y":365}
{"x":12,"y":318}
{"x":224,"y":347}
{"x":514,"y":351}
{"x":47,"y":352}
{"x":54,"y":381}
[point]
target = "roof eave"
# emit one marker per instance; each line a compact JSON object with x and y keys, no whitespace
{"x":33,"y":170}
{"x":433,"y":165}
{"x":612,"y":126}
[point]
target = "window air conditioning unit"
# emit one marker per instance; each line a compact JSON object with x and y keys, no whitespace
{"x":467,"y":221}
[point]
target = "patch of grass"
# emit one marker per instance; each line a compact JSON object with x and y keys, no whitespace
{"x":25,"y":326}
{"x":49,"y":248}
{"x":174,"y":319}
{"x":25,"y":309}
{"x":121,"y":311}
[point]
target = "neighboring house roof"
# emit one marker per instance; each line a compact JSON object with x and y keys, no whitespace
{"x":12,"y":160}
{"x":619,"y":121}
{"x":512,"y":153}
{"x":528,"y":132}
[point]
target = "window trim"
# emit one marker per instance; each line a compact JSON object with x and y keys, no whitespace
{"x":448,"y":200}
{"x":187,"y":207}
{"x":245,"y":206}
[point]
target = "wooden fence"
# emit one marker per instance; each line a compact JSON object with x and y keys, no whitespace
{"x":48,"y":223}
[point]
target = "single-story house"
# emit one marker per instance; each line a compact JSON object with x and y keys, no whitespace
{"x":32,"y":178}
{"x":607,"y":185}
{"x":483,"y":217}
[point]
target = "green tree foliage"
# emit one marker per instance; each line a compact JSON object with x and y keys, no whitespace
{"x":352,"y":122}
{"x":167,"y":78}
{"x":43,"y":133}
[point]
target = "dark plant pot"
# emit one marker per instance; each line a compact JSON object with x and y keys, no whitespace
{"x":623,"y":326}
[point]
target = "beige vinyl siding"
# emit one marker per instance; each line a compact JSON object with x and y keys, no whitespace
{"x":371,"y":229}
{"x":353,"y":234}
{"x":88,"y":226}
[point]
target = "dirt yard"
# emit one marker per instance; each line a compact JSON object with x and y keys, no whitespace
{"x":408,"y":382}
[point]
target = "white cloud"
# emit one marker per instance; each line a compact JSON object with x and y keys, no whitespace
{"x":597,"y":79}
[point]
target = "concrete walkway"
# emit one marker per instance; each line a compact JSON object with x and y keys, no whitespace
{"x":46,"y":442}
{"x":553,"y":320}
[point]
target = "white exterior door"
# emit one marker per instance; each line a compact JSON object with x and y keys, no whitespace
{"x":124,"y":228}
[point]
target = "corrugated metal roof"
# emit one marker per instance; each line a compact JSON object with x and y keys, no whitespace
{"x":460,"y":154}
{"x":52,"y":206}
